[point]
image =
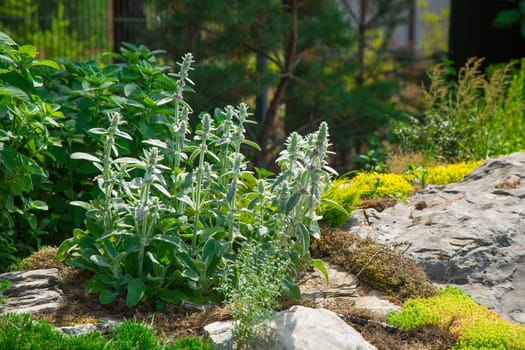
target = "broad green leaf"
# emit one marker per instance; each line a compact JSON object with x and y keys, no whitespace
{"x":85,"y":156}
{"x":290,"y":288}
{"x":177,"y":242}
{"x":107,"y":296}
{"x":305,"y":239}
{"x":31,"y":219}
{"x":319,"y":264}
{"x":124,"y":135}
{"x":13,"y":91}
{"x":65,"y":247}
{"x":98,"y":283}
{"x":153,"y":259}
{"x":212,"y":254}
{"x":136,"y":290}
{"x":131,"y":88}
{"x":172,"y":296}
{"x":335,"y":205}
{"x":80,"y":262}
{"x":135,"y":103}
{"x":39,"y":205}
{"x":99,"y":260}
{"x":46,"y":63}
{"x":110,"y":249}
{"x":185,"y":199}
{"x":230,"y":194}
{"x":28,"y":50}
{"x":6,"y":39}
{"x":81,"y":204}
{"x":292,"y":202}
{"x":252,"y":144}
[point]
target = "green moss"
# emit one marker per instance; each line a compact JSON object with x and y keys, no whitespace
{"x":377,"y":266}
{"x":475,"y":326}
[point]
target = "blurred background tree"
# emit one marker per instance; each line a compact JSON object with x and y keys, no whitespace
{"x":307,"y":61}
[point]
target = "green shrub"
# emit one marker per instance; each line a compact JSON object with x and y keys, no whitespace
{"x":29,"y":128}
{"x":478,"y":117}
{"x":475,"y":326}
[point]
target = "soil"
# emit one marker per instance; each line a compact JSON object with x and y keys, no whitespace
{"x":362,"y":258}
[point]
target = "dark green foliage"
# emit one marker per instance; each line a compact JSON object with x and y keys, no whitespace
{"x":512,"y":17}
{"x":29,"y":129}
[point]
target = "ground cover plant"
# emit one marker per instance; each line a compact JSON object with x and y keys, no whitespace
{"x":22,"y":332}
{"x":474,"y":326}
{"x":353,"y":193}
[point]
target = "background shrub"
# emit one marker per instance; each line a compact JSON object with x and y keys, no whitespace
{"x":477,"y":117}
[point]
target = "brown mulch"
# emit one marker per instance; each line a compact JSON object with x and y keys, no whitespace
{"x":405,"y":280}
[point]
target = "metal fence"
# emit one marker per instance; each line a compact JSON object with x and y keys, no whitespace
{"x":83,"y":29}
{"x":79,"y":29}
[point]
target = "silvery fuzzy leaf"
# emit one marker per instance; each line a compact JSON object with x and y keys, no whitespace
{"x":85,"y":156}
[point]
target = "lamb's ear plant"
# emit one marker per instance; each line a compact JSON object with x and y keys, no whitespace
{"x":163,"y":223}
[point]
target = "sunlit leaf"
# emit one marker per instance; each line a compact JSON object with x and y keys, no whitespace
{"x":85,"y":156}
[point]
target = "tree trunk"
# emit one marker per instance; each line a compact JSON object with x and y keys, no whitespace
{"x":272,"y":134}
{"x":361,"y":27}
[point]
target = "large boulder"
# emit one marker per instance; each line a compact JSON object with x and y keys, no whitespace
{"x":298,"y":328}
{"x":470,"y":234}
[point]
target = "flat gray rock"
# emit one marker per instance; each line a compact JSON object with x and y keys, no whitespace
{"x":470,"y":234}
{"x":32,"y":291}
{"x":298,"y":328}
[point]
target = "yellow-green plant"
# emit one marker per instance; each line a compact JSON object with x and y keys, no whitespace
{"x":377,"y":185}
{"x":475,"y":326}
{"x":441,"y":174}
{"x":342,"y":192}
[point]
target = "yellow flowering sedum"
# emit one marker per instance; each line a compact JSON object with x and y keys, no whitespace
{"x":475,"y":326}
{"x":442,"y":174}
{"x":377,"y":185}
